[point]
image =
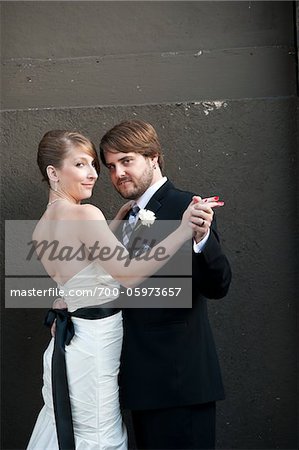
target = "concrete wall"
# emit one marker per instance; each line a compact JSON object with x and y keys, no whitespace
{"x":112,"y":53}
{"x":218,"y":81}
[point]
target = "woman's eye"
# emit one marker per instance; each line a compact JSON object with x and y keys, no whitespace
{"x":126,"y":161}
{"x":93,"y":163}
{"x":79,"y":164}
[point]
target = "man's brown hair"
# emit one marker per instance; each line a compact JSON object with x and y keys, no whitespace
{"x":132,"y":136}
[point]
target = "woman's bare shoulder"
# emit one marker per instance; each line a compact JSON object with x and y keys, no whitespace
{"x":89,"y":212}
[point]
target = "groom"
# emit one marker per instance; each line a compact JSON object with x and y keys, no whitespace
{"x":170,"y":376}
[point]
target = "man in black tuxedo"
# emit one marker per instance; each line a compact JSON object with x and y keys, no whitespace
{"x":170,"y":375}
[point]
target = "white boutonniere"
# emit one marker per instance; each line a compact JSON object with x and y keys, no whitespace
{"x":147,"y":217}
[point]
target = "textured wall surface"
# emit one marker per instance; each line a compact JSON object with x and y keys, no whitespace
{"x":113,"y":53}
{"x":227,"y":121}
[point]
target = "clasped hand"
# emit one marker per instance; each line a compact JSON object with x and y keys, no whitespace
{"x":200,"y":215}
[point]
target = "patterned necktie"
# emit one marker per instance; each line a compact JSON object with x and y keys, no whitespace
{"x":129,"y":225}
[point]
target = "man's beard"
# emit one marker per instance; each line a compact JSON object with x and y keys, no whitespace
{"x":136,"y":190}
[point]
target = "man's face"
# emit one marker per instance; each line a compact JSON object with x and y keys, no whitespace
{"x":131,"y":173}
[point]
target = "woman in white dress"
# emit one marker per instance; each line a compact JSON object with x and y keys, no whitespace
{"x":81,"y":406}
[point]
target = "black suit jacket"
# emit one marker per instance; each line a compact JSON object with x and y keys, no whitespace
{"x":169,"y":356}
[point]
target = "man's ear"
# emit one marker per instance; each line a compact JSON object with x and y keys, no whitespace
{"x":155,"y":161}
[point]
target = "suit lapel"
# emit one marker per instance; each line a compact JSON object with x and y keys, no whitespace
{"x":154,"y":204}
{"x":156,"y":201}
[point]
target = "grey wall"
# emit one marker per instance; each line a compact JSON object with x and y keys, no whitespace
{"x":110,"y":53}
{"x":218,"y":81}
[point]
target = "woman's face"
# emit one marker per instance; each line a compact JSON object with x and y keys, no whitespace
{"x":77,"y":174}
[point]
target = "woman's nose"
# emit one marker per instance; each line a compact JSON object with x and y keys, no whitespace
{"x":92,"y":172}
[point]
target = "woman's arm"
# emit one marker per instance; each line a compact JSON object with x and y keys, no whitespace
{"x":101,"y":243}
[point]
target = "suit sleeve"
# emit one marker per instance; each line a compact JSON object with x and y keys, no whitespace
{"x":211,"y":272}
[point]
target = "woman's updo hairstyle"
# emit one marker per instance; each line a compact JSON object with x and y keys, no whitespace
{"x":54,"y":148}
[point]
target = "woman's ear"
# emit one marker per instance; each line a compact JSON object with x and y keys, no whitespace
{"x":52,"y":173}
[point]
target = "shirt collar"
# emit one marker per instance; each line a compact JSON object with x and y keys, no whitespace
{"x":147,"y":195}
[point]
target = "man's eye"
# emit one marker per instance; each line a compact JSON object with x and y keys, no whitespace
{"x":127,"y":161}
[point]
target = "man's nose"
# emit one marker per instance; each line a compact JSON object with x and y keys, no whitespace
{"x":119,"y":171}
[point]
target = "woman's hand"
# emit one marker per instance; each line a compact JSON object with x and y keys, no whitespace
{"x":199,"y":216}
{"x":203,"y":214}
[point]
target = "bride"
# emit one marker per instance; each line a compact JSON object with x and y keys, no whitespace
{"x":80,"y":390}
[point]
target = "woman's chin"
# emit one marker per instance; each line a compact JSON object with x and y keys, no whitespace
{"x":86,"y":196}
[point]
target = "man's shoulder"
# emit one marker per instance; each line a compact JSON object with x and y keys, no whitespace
{"x":173,"y":202}
{"x":179,"y":195}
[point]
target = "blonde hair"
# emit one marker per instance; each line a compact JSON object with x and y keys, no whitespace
{"x":55,"y":145}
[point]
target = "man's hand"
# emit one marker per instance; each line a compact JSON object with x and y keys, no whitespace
{"x":59,"y":303}
{"x":114,"y":224}
{"x":202,"y":215}
{"x":124,"y":209}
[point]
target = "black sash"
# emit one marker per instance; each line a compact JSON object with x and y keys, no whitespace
{"x":63,"y":336}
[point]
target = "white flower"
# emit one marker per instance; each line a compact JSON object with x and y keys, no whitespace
{"x":147,"y":217}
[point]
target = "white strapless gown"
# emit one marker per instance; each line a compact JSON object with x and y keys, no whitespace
{"x":92,"y":361}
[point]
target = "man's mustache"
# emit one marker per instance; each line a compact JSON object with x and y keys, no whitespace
{"x":123,"y":180}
